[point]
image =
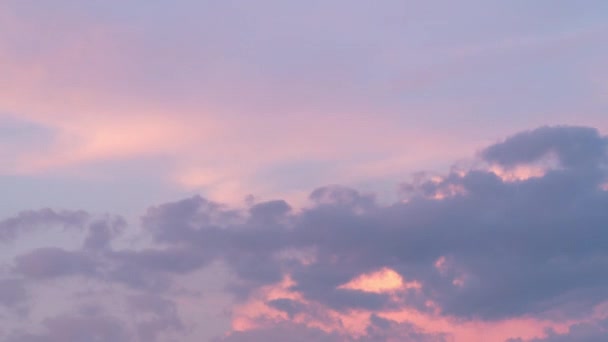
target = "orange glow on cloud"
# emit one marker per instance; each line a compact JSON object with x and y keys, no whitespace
{"x":440,"y":264}
{"x":384,"y":280}
{"x":519,"y":173}
{"x":449,"y":191}
{"x":477,"y":331}
{"x":255,"y":313}
{"x":245,"y":316}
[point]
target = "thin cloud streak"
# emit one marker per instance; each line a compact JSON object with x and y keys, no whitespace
{"x":202,"y":93}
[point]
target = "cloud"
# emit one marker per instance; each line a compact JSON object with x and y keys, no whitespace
{"x":295,"y":332}
{"x":289,"y":306}
{"x":379,"y":329}
{"x":165,"y":316}
{"x":12,"y":292}
{"x":29,"y":221}
{"x":51,"y":262}
{"x":595,"y":331}
{"x":573,"y":146}
{"x":151,"y":269}
{"x":97,"y":76}
{"x":76,"y":328}
{"x":515,"y":248}
{"x":102,"y":231}
{"x":464,"y":255}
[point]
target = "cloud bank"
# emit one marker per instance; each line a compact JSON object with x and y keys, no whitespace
{"x":482,"y":253}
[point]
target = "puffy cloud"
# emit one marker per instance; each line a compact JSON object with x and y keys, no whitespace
{"x":150,"y":269}
{"x":164,"y":312}
{"x":269,"y":212}
{"x":573,"y":146}
{"x":469,"y":249}
{"x":527,"y":247}
{"x":29,"y":221}
{"x":382,"y":329}
{"x":102,"y":231}
{"x":51,"y":262}
{"x":289,"y":306}
{"x":99,"y":230}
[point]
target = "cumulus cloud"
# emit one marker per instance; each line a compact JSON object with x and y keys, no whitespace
{"x":467,"y":248}
{"x":30,"y":221}
{"x":101,"y":232}
{"x":573,"y":146}
{"x":164,"y":316}
{"x":504,"y":239}
{"x":53,"y":262}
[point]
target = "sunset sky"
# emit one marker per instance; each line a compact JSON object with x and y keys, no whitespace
{"x":276,"y":170}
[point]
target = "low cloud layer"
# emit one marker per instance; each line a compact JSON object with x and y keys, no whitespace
{"x":472,"y":255}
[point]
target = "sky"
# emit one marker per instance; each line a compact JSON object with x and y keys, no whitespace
{"x":303,"y":170}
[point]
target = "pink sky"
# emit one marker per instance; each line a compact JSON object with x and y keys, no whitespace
{"x":131,"y":108}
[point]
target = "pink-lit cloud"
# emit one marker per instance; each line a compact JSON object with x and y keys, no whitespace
{"x":258,"y":106}
{"x":222,"y":111}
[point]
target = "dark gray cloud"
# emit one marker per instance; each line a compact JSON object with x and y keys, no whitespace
{"x":150,"y":317}
{"x":343,"y":196}
{"x":164,"y":316}
{"x":289,"y":306}
{"x":29,"y":221}
{"x":68,"y":328}
{"x":269,"y":212}
{"x":534,"y":247}
{"x":151,"y":268}
{"x":522,"y":247}
{"x":319,"y":286}
{"x":573,"y":146}
{"x":282,"y":331}
{"x":185,"y":218}
{"x":102,"y":231}
{"x":382,"y":329}
{"x":596,"y":331}
{"x":51,"y":262}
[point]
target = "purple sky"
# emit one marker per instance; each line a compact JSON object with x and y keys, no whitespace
{"x":336,"y":170}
